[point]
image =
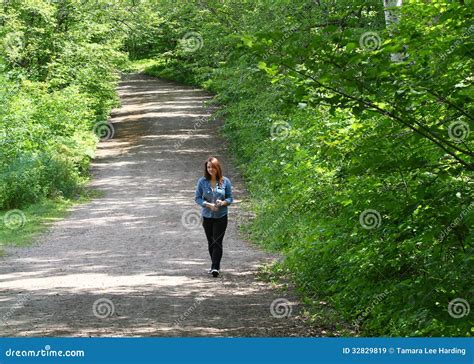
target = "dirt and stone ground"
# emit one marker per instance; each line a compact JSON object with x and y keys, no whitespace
{"x":134,"y":261}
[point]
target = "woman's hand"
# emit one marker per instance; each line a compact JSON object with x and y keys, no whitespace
{"x":212,"y":207}
{"x":221,"y":203}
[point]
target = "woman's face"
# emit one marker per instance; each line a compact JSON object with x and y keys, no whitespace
{"x":211,"y":170}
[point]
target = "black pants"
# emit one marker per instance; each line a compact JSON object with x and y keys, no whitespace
{"x":215,"y":230}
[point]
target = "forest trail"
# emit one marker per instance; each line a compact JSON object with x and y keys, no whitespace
{"x":125,"y":264}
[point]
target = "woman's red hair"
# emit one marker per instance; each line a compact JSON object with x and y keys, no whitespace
{"x":215,"y":163}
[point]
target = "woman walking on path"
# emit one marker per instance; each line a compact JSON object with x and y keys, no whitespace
{"x":214,"y":194}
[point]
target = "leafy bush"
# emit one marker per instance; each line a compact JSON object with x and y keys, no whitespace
{"x":59,"y":66}
{"x":29,"y":179}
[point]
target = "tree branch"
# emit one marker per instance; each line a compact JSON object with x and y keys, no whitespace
{"x":386,"y":113}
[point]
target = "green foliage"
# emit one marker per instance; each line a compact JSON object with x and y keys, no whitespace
{"x":28,"y":179}
{"x":58,"y":72}
{"x":333,"y":118}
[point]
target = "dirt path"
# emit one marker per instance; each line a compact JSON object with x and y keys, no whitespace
{"x":125,"y":264}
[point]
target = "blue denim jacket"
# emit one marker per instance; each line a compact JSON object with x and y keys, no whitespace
{"x":204,"y":194}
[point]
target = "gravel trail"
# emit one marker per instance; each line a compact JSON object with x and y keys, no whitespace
{"x":125,"y":264}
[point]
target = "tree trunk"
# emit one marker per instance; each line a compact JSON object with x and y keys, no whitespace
{"x":392,"y":18}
